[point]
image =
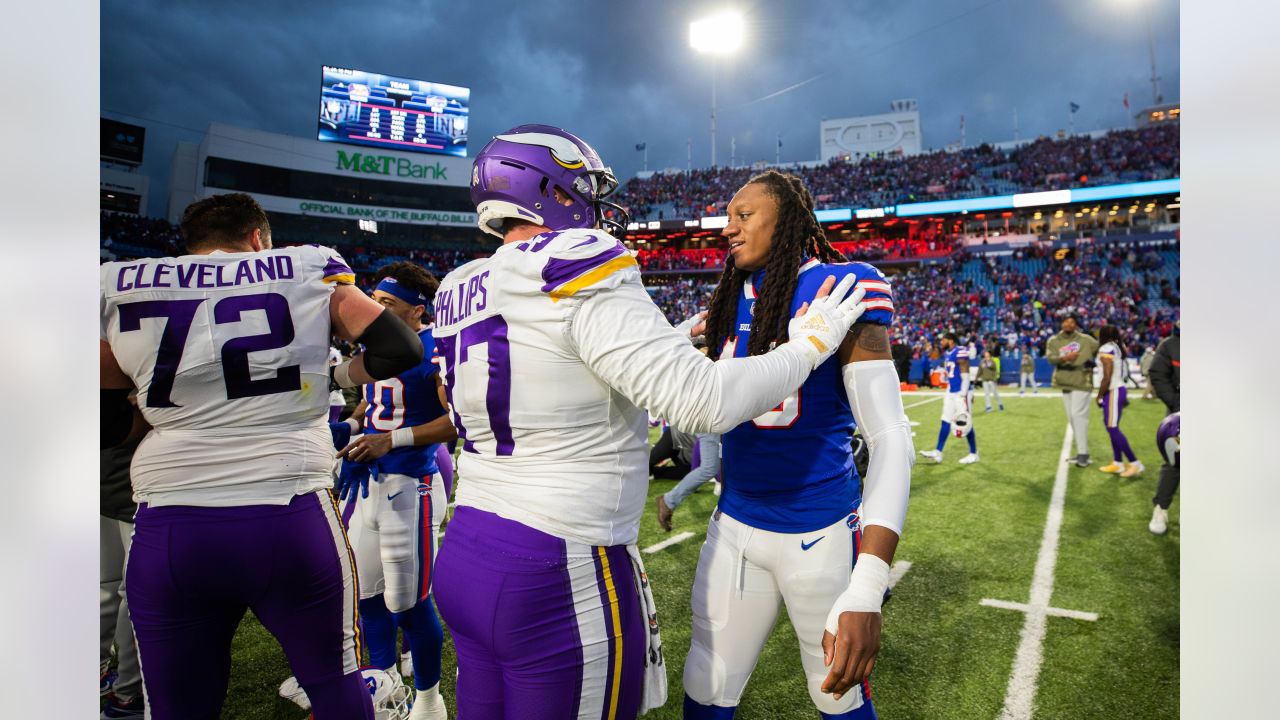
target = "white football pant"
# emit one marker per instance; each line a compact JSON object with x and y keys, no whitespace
{"x":743,"y":573}
{"x":394,"y":533}
{"x":1076,"y":403}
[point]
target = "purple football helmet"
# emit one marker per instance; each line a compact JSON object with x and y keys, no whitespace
{"x":1169,"y":438}
{"x":517,"y":173}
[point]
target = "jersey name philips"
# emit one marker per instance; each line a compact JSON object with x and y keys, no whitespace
{"x":453,"y":305}
{"x":204,"y":276}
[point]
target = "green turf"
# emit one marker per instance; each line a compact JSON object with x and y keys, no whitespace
{"x":972,"y":532}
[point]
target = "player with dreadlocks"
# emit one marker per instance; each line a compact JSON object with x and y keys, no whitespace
{"x":792,"y":517}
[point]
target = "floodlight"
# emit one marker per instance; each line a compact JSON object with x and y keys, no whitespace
{"x":719,"y":34}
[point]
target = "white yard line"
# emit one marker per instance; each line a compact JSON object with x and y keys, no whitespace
{"x":1055,"y":612}
{"x":1021,"y":693}
{"x":923,"y":402}
{"x":673,"y":540}
{"x":896,"y":572}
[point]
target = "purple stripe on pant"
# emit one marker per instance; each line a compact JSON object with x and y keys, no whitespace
{"x":192,"y":573}
{"x":532,"y":619}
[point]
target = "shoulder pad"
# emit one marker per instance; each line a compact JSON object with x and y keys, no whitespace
{"x":573,"y":260}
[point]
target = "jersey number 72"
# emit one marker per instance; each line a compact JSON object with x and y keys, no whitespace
{"x":179,"y":315}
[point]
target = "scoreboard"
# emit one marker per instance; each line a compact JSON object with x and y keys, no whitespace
{"x":364,"y":108}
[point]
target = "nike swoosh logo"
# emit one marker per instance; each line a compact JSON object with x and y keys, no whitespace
{"x":805,"y":546}
{"x":393,"y":497}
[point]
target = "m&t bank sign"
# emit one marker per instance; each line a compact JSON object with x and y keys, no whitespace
{"x":368,"y":164}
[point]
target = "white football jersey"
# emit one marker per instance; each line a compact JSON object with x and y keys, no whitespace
{"x":550,"y":349}
{"x":1113,"y":351}
{"x":229,"y":352}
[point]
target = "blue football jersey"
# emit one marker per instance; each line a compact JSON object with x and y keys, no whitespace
{"x":791,"y":469}
{"x":952,"y":366}
{"x":407,"y":400}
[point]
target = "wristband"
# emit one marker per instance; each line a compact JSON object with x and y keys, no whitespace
{"x":865,"y":592}
{"x":401,"y":438}
{"x":353,"y":424}
{"x":342,"y":375}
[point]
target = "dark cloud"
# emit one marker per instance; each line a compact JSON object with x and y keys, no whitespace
{"x":622,"y":73}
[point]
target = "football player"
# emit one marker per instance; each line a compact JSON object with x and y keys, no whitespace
{"x":395,"y":530}
{"x":787,"y":526}
{"x":956,"y":414}
{"x":552,"y":350}
{"x":228,"y":349}
{"x":1112,"y":399}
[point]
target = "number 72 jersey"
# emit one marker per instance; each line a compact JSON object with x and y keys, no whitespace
{"x":225,"y":340}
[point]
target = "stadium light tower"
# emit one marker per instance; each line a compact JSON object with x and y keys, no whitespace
{"x":716,"y":35}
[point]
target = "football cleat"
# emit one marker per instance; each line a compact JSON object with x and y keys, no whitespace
{"x":428,"y":705}
{"x":1114,"y":467}
{"x":933,"y":455}
{"x":1080,"y":460}
{"x":290,"y":690}
{"x":1135,"y":468}
{"x":1159,"y":524}
{"x":969,"y":459}
{"x":664,"y":513}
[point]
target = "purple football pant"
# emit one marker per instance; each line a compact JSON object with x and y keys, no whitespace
{"x":1112,"y":409}
{"x":544,"y":628}
{"x":192,"y":573}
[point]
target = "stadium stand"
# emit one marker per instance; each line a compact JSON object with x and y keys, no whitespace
{"x":1046,"y":164}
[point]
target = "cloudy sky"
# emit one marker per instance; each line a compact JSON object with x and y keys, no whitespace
{"x":622,"y":73}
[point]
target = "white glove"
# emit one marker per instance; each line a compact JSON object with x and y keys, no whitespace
{"x":693,"y":326}
{"x":820,"y":330}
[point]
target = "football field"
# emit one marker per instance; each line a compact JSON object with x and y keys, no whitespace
{"x":1009,"y":603}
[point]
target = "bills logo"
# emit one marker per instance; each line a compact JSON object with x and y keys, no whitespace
{"x":424,"y":488}
{"x":1070,"y":348}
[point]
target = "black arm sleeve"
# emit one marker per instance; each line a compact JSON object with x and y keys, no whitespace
{"x":390,"y":347}
{"x":116,"y":416}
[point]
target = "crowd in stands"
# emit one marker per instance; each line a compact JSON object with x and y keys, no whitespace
{"x":1005,"y":301}
{"x":1015,"y":300}
{"x":1015,"y":303}
{"x":1045,"y":164}
{"x":668,"y":259}
{"x":124,"y":237}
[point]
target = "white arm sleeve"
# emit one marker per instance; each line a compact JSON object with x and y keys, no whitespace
{"x":623,"y":337}
{"x":876,"y":401}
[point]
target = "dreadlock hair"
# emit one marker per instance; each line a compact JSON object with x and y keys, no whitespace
{"x":796,"y":235}
{"x":1110,"y":333}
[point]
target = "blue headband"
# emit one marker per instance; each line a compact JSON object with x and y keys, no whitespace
{"x":390,"y":286}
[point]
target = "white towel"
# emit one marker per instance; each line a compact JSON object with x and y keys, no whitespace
{"x":654,"y":694}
